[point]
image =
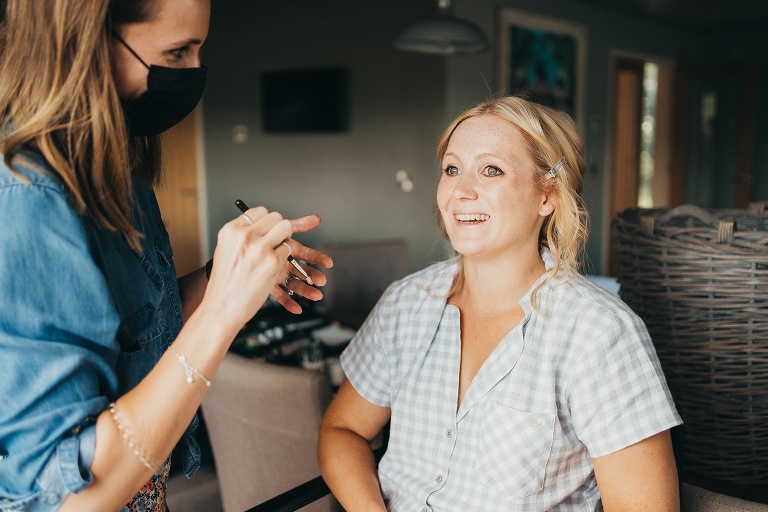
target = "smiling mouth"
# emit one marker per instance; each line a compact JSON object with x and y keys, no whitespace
{"x":472,"y":218}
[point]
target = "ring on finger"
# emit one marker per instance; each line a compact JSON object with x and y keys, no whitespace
{"x":290,"y":251}
{"x":287,"y":283}
{"x":247,"y":218}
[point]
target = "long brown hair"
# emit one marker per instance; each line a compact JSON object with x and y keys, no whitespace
{"x":551,"y":134}
{"x":58,"y":97}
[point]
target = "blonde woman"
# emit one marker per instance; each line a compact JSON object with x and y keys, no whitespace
{"x":105,"y":357}
{"x":510,"y":381}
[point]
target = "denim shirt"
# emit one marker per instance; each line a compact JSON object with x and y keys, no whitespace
{"x":83,"y":318}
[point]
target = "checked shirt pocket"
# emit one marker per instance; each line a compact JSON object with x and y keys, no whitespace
{"x":514,"y":451}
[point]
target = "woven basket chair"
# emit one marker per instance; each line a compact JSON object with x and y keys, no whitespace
{"x":699,"y":280}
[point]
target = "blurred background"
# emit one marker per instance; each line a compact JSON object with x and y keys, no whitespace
{"x":666,"y":95}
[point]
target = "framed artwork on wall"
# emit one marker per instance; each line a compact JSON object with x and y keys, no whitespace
{"x":543,"y":59}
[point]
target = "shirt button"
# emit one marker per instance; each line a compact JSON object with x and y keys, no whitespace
{"x":76,"y":429}
{"x":449,"y":433}
{"x":439,"y":478}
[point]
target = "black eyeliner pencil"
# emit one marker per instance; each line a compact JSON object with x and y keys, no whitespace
{"x":244,"y":208}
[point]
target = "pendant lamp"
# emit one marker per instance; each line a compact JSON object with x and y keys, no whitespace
{"x":442,"y":34}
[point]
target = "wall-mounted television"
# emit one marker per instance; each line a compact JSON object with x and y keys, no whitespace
{"x":306,"y":100}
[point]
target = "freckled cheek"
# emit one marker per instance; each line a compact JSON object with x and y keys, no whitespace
{"x":443,"y":196}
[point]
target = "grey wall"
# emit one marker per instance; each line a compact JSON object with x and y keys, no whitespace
{"x":400,"y":103}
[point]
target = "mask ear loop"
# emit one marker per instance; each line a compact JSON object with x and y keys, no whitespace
{"x":554,"y":171}
{"x":117,"y":36}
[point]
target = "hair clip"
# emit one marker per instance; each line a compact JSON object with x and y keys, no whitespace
{"x":556,"y":169}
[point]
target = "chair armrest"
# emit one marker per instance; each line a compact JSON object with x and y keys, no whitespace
{"x":296,"y":498}
{"x":308,"y":492}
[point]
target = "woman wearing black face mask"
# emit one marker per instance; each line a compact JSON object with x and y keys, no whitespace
{"x":171,"y":95}
{"x":104,"y":355}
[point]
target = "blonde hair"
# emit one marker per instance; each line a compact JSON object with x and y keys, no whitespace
{"x":551,"y":135}
{"x":58,"y":98}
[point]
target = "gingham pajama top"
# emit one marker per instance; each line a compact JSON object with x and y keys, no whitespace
{"x":576,"y":380}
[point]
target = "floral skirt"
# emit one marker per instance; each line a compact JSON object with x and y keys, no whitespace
{"x":151,"y":497}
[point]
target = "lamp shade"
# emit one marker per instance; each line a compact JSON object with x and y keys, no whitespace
{"x":443,"y":34}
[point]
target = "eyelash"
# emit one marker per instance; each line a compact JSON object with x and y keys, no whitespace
{"x":448,"y":171}
{"x":179,"y":53}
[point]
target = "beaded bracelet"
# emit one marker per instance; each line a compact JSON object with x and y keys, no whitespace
{"x":190,"y":370}
{"x":126,"y":435}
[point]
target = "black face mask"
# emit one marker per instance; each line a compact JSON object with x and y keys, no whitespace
{"x":171,"y":95}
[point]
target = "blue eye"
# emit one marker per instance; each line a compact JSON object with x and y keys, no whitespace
{"x":493,"y":171}
{"x":451,"y":170}
{"x":180,"y":53}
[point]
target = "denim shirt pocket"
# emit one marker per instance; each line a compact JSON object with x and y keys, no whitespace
{"x":136,"y":332}
{"x":513,"y":454}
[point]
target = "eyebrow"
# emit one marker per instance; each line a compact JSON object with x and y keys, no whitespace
{"x":187,"y":42}
{"x":481,"y":155}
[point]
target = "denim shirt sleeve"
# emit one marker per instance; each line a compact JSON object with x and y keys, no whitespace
{"x":57,"y":339}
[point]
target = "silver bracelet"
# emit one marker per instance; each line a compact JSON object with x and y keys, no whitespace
{"x":190,"y":370}
{"x":132,"y":444}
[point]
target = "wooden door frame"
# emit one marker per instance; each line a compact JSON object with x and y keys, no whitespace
{"x":614,"y":57}
{"x":184,"y":169}
{"x":627,"y":117}
{"x":202,"y":183}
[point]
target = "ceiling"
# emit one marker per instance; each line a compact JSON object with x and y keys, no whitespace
{"x":701,"y":14}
